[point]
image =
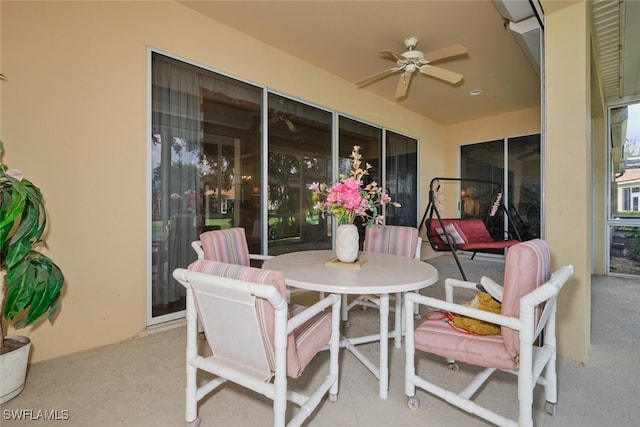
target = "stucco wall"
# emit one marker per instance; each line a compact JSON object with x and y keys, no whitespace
{"x":568,"y":169}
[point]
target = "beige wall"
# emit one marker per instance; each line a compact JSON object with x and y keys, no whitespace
{"x":517,"y":123}
{"x":74,"y":115}
{"x":568,"y":169}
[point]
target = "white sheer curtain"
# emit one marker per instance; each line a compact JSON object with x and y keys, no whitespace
{"x":176,"y":150}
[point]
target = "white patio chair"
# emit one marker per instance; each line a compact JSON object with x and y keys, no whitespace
{"x":389,"y":239}
{"x":256,"y":338}
{"x":526,"y":347}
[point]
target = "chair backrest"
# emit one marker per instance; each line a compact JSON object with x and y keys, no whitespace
{"x":528,"y":265}
{"x":228,"y":245}
{"x":229,"y":330}
{"x":391,"y":239}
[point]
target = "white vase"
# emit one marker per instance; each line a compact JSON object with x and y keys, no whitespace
{"x":347,"y":242}
{"x":13,"y":369}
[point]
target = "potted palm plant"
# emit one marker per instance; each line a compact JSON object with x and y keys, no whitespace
{"x":30,"y":281}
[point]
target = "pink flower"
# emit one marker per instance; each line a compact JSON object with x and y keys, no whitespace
{"x":345,"y":194}
{"x":15,"y":173}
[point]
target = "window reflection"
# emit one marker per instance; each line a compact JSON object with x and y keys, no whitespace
{"x":401,"y":179}
{"x":299,"y":154}
{"x":206,"y":163}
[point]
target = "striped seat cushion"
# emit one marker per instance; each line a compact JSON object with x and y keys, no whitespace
{"x":229,"y":245}
{"x":438,"y":337}
{"x":391,"y":239}
{"x":303,"y":343}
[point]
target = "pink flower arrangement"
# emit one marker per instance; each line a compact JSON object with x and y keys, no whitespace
{"x":350,"y":197}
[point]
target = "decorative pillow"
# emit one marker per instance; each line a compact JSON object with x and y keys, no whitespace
{"x":453,"y":232}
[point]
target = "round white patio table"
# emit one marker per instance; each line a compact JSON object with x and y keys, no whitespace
{"x":380,"y":274}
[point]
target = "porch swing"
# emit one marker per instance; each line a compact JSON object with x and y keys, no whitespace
{"x":468,"y":234}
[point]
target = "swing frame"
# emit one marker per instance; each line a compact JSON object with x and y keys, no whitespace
{"x":480,"y":239}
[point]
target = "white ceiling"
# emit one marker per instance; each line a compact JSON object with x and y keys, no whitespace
{"x":344,"y":38}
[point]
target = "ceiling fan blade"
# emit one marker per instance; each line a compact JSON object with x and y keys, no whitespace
{"x":441,"y":73}
{"x":403,"y":84}
{"x":393,"y":55}
{"x":290,"y":125}
{"x":372,"y":78}
{"x":446,"y":52}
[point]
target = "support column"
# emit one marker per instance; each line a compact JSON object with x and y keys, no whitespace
{"x":568,"y":169}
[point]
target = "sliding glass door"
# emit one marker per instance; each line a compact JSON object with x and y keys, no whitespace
{"x":205,"y":170}
{"x":486,"y":167}
{"x":401,"y":179}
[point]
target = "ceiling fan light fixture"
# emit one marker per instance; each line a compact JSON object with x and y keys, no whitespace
{"x":414,"y":60}
{"x":475,"y":92}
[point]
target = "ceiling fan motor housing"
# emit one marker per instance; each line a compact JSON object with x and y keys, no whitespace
{"x":413,"y":55}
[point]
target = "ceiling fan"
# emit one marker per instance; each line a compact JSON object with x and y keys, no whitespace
{"x":412,"y":60}
{"x":281,"y":118}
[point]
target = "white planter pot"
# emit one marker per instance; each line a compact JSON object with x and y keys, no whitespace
{"x":347,"y":242}
{"x":13,"y":369}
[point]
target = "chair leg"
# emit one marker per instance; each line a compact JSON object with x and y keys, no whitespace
{"x":551,"y":387}
{"x":191,"y":390}
{"x":191,"y":410}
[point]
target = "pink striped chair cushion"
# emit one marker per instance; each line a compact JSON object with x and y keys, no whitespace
{"x":229,"y":245}
{"x":304,"y":342}
{"x":391,"y":239}
{"x":527,"y":266}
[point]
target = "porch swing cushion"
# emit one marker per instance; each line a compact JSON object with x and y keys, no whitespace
{"x":472,"y":230}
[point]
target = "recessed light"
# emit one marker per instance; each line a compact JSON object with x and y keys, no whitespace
{"x":475,"y":92}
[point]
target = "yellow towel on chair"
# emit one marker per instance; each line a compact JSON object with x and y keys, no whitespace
{"x":482,"y":301}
